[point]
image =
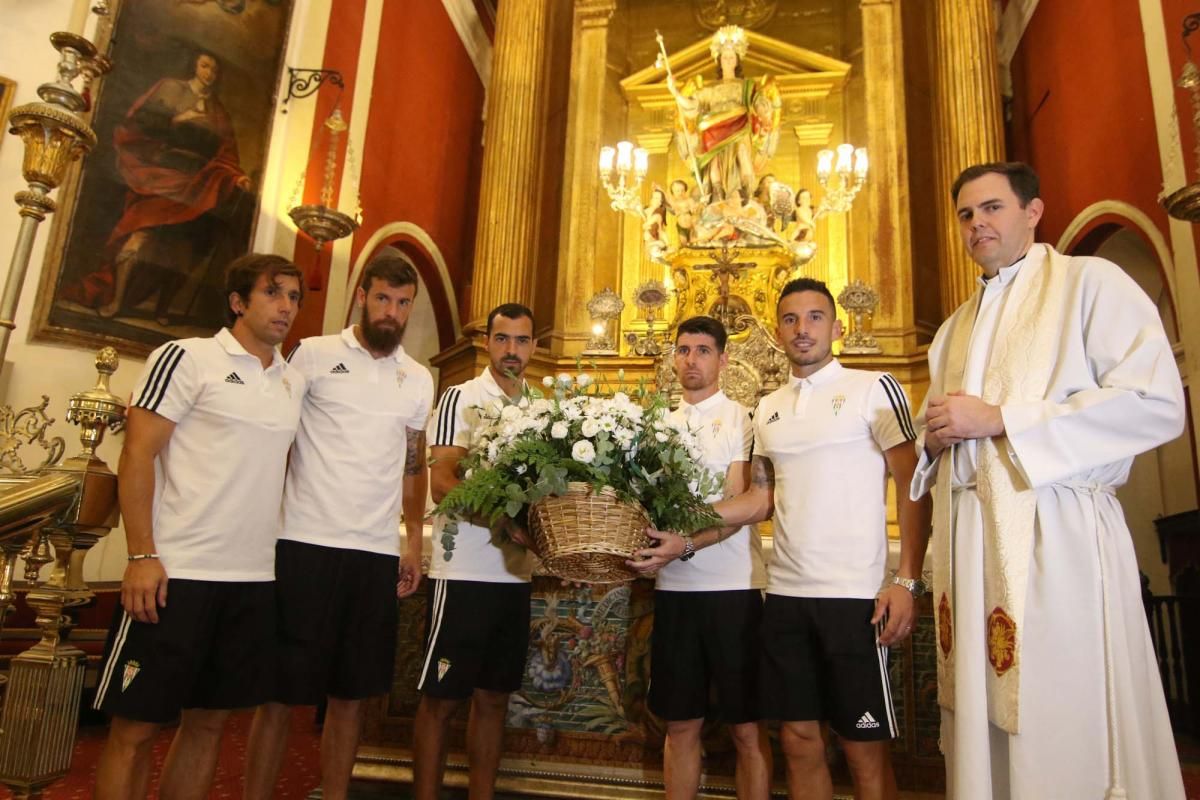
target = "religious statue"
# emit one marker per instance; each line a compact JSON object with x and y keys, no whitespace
{"x":728,"y":129}
{"x":685,"y":207}
{"x":654,"y":227}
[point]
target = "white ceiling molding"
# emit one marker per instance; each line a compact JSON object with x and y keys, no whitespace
{"x":465,"y":19}
{"x":1009,"y":30}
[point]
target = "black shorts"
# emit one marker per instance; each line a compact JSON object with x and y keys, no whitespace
{"x":703,"y":640}
{"x":821,"y":662}
{"x":476,"y":637}
{"x":212,"y":648}
{"x":337,"y":622}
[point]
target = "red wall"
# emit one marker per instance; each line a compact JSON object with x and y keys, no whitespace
{"x":1082,"y":112}
{"x":420,"y":161}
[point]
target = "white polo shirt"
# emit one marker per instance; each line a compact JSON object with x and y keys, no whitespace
{"x":826,"y":436}
{"x":726,"y":434}
{"x":219,"y":480}
{"x":347,"y":468}
{"x":477,"y":555}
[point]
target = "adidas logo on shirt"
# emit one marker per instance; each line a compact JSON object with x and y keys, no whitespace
{"x":773,"y":418}
{"x":233,"y":378}
{"x":866,"y":721}
{"x":340,"y":369}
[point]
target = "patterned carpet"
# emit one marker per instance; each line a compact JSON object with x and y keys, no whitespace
{"x":302,"y":765}
{"x":301,"y":770}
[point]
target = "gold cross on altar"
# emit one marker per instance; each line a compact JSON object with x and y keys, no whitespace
{"x":724,"y":269}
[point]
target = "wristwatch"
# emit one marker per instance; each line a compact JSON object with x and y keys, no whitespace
{"x":915,"y":586}
{"x":689,"y":548}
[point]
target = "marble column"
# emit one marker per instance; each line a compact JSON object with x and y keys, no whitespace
{"x":506,"y":237}
{"x":968,"y":124}
{"x":579,"y":273}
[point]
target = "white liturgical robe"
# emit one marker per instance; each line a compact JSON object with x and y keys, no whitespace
{"x":1092,"y":714}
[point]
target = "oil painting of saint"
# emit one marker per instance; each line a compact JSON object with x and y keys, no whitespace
{"x":170,"y":195}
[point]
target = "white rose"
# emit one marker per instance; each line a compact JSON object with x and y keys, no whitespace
{"x":584,"y":380}
{"x":510,"y":413}
{"x":559,"y":430}
{"x":572,"y":412}
{"x":564,"y":379}
{"x":548,"y":381}
{"x":583,"y":452}
{"x":660,"y":436}
{"x":590,"y":428}
{"x":621,"y":397}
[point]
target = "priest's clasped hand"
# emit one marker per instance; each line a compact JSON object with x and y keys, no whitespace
{"x":951,"y":418}
{"x":649,"y":560}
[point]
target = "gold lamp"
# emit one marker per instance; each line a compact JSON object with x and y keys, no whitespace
{"x":322,"y":221}
{"x":1185,"y":203}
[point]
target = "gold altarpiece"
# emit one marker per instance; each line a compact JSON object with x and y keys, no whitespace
{"x":577,"y":75}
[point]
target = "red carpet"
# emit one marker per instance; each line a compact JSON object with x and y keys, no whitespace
{"x":299,"y":776}
{"x":301,"y":764}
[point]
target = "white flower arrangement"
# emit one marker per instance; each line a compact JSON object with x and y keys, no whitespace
{"x":526,"y":450}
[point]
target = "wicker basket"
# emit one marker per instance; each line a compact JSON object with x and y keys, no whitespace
{"x":586,"y":536}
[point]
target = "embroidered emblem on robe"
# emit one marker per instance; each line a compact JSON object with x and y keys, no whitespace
{"x":1001,"y":640}
{"x":945,"y":625}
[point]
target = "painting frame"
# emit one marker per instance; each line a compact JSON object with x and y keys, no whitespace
{"x":49,"y":322}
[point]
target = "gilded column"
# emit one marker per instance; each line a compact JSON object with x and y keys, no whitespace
{"x":579,"y":272}
{"x":969,"y":130}
{"x":506,"y":237}
{"x":888,"y":265}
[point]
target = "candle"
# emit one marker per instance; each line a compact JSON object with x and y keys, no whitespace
{"x":641,"y":161}
{"x":844,"y":151}
{"x":824,"y":165}
{"x":607,"y":154}
{"x":624,"y":156}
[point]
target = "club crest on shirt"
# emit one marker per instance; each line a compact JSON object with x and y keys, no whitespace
{"x":130,"y":672}
{"x":716,"y":427}
{"x":443,"y":668}
{"x":400,"y":376}
{"x":839,"y":400}
{"x":287,"y":386}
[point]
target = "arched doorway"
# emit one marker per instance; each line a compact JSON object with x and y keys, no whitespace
{"x":1162,"y":481}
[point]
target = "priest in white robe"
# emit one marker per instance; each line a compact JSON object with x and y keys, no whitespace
{"x":1043,"y":387}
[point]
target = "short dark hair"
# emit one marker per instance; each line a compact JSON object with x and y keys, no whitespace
{"x":705,"y":325}
{"x":243,"y":272}
{"x":1021,"y":177}
{"x":509,"y":311}
{"x":806,"y":285}
{"x":392,"y":268}
{"x":671,"y":185}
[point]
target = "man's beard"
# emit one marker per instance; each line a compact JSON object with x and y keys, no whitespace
{"x":382,"y":337}
{"x":514,"y":368}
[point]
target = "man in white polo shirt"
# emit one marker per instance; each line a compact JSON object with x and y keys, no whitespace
{"x":823,"y":447}
{"x":477,"y":627}
{"x":708,"y":603}
{"x":201,"y":476}
{"x":359,"y":457}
